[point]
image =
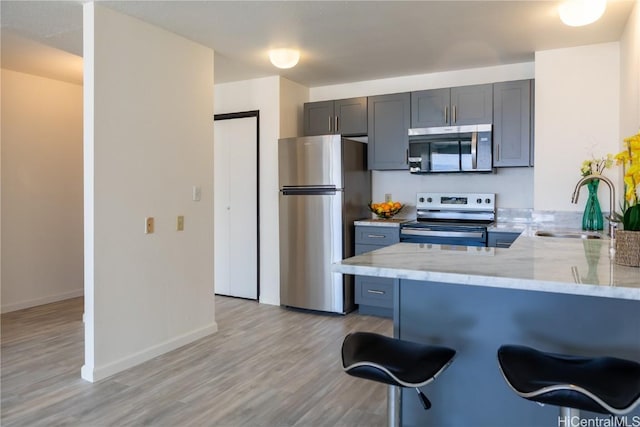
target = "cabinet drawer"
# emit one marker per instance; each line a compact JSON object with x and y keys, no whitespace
{"x":381,"y":236}
{"x":374,"y":291}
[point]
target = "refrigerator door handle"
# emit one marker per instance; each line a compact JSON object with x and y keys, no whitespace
{"x":309,"y":191}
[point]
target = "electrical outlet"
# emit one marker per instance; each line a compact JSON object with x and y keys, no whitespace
{"x":180,"y":223}
{"x":148,"y":225}
{"x":387,"y":197}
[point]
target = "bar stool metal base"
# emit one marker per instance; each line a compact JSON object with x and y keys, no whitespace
{"x":567,"y":415}
{"x":393,"y":406}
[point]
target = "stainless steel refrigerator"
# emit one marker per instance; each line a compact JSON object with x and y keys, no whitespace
{"x":324,"y":187}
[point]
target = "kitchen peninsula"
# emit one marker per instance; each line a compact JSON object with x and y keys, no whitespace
{"x":556,"y":294}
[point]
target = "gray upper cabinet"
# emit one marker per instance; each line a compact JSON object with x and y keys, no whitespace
{"x":430,"y":108}
{"x":389,"y":119}
{"x":347,"y":117}
{"x":472,"y":105}
{"x":318,"y":118}
{"x":351,"y":116}
{"x":464,"y":105}
{"x":512,"y":126}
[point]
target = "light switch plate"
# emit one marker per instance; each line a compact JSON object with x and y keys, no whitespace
{"x":180,"y":223}
{"x":148,"y":225}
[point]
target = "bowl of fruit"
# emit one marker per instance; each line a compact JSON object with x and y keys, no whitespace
{"x":386,"y":210}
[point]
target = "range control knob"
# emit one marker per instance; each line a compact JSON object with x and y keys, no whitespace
{"x":478,"y":201}
{"x":421,"y":199}
{"x":488,"y":200}
{"x":429,"y":200}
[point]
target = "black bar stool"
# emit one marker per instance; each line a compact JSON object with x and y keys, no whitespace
{"x":394,"y":362}
{"x":605,"y":385}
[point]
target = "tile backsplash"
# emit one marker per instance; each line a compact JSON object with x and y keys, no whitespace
{"x":540,"y":219}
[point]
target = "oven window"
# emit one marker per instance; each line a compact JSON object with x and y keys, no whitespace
{"x":445,"y":156}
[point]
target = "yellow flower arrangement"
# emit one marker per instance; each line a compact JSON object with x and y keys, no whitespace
{"x":596,"y":166}
{"x":630,"y":161}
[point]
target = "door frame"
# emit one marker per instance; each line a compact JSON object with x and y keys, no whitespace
{"x":244,"y":115}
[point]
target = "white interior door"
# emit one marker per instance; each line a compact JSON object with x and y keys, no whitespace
{"x":236,"y":206}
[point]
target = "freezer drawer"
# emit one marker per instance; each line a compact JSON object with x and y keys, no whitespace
{"x":310,"y":241}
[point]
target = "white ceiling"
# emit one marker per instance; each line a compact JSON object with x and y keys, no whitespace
{"x":341,"y":41}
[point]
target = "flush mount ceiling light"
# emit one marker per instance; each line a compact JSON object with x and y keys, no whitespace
{"x":284,"y":58}
{"x":577,"y":13}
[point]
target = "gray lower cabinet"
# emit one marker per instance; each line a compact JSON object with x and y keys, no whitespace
{"x":389,"y":119}
{"x":347,"y":117}
{"x":501,"y":239}
{"x":457,"y":106}
{"x":512,"y":124}
{"x":374,"y":295}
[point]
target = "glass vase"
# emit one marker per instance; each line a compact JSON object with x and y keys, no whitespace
{"x":592,"y":218}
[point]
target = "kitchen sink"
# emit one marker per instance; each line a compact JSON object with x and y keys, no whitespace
{"x":569,"y":234}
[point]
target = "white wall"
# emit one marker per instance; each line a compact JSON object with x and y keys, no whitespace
{"x":630,"y":75}
{"x":292,"y":98}
{"x":148,"y":140}
{"x":513,"y":186}
{"x":263,"y":95}
{"x":577,"y":115}
{"x":41,"y":190}
{"x":424,"y":81}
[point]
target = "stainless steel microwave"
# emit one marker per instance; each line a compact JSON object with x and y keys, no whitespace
{"x":451,"y":149}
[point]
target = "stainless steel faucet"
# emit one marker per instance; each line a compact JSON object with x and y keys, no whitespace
{"x":612,"y":197}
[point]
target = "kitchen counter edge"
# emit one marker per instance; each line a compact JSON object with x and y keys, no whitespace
{"x":532,"y":263}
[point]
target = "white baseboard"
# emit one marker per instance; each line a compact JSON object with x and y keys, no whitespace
{"x":104,"y":371}
{"x":268,"y":301}
{"x":40,"y":301}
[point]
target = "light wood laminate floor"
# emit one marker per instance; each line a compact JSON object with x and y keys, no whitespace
{"x":266,"y":366}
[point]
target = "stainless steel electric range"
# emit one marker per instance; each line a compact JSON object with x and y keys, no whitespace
{"x":451,"y":219}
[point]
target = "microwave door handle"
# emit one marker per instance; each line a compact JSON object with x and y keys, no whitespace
{"x":474,"y":150}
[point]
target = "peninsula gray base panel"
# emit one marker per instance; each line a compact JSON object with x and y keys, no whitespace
{"x":476,"y":321}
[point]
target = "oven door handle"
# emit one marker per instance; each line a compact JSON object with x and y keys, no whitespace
{"x":432,"y":233}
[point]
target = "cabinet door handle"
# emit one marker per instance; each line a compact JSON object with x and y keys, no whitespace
{"x":336,"y":128}
{"x":329,"y":124}
{"x":376,"y":236}
{"x":446,"y":114}
{"x":497,"y":152}
{"x":406,"y":156}
{"x":455,"y":114}
{"x":372,"y":291}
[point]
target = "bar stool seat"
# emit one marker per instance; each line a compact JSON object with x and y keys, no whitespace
{"x":395,"y":362}
{"x":606,"y":385}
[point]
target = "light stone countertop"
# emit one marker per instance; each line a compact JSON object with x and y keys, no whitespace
{"x":547,"y":264}
{"x":374,"y":222}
